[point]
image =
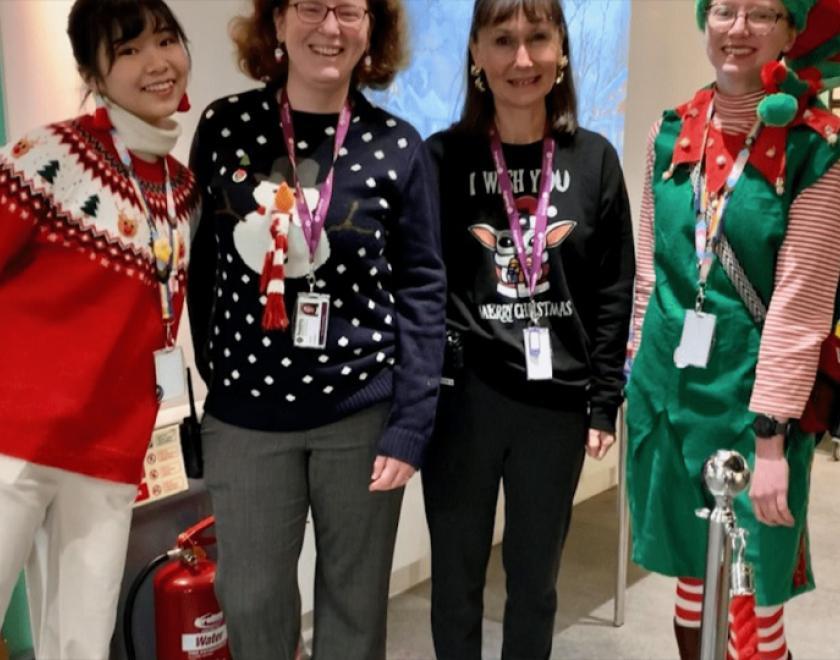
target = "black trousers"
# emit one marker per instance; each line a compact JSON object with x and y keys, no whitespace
{"x":483,"y":438}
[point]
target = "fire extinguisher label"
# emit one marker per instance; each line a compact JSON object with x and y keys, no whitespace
{"x":198,"y":644}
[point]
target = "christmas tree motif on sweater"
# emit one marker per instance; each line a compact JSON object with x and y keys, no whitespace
{"x":91,"y":206}
{"x":49,"y":171}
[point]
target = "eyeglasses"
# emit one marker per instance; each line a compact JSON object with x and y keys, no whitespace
{"x":760,"y":20}
{"x":314,"y":13}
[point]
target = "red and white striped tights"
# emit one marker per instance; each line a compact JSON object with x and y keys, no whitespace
{"x":755,"y":633}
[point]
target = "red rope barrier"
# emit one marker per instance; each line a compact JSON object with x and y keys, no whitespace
{"x":744,"y":627}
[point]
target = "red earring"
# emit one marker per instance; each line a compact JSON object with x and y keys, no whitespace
{"x":101,"y":120}
{"x":184,"y":105}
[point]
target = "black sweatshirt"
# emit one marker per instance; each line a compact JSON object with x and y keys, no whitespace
{"x":584,"y":294}
{"x":379,"y":260}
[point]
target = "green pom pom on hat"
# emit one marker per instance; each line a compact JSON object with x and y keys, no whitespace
{"x":778,"y":109}
{"x":798,"y":10}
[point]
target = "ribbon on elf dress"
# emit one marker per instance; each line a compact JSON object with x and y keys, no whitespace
{"x":710,"y":209}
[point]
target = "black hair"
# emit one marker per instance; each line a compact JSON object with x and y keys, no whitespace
{"x":112,"y":23}
{"x":561,"y":102}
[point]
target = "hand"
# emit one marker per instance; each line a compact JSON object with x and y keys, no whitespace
{"x":599,"y":442}
{"x":389,"y":473}
{"x":769,"y":485}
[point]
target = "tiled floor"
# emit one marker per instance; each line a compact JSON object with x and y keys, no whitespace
{"x":584,"y":627}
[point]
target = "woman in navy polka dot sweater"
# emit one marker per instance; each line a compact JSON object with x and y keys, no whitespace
{"x":317,"y":309}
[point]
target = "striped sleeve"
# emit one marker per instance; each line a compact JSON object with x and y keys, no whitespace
{"x":645,"y":274}
{"x":801,"y":309}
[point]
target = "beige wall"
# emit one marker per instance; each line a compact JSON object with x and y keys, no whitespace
{"x":667,"y":64}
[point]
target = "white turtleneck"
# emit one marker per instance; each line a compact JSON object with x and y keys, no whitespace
{"x":141,"y":138}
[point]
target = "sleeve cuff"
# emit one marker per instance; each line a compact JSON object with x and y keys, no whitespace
{"x":603,"y":418}
{"x":404,"y":445}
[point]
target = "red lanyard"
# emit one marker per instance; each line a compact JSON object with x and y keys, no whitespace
{"x":312,"y":223}
{"x":531,"y":269}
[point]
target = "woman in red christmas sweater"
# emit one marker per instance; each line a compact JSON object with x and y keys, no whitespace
{"x":94,"y":217}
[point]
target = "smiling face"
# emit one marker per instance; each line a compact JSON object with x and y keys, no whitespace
{"x":149,"y":73}
{"x":519,"y":59}
{"x":322,"y":55}
{"x":738,"y":54}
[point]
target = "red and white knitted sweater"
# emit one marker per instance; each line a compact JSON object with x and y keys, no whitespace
{"x":80,"y":306}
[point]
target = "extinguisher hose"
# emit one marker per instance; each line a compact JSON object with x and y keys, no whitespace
{"x":128,"y":609}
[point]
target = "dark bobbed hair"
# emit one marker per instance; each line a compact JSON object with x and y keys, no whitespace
{"x":560,"y":103}
{"x":112,"y":23}
{"x":255,"y":39}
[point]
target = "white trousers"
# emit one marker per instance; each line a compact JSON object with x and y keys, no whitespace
{"x":70,"y":533}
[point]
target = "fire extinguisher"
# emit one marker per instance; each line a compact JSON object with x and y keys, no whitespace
{"x":189,"y":624}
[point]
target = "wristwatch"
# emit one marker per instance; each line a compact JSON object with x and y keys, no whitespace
{"x":765,"y":426}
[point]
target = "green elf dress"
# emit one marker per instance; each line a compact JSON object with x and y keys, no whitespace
{"x":678,"y":417}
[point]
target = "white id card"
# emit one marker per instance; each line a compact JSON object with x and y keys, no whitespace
{"x":312,"y":313}
{"x":537,"y":353}
{"x":170,"y":373}
{"x":698,"y":336}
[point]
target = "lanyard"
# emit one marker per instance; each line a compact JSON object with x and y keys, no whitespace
{"x":709,"y":213}
{"x":164,"y":245}
{"x":531,"y":269}
{"x":312,"y":223}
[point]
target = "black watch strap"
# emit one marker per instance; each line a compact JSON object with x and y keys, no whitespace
{"x":766,"y":426}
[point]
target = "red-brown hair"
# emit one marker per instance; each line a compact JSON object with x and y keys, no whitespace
{"x":255,"y":40}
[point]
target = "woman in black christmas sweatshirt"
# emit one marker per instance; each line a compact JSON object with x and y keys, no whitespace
{"x":538,"y":251}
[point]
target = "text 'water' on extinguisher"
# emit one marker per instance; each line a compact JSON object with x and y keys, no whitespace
{"x":189,"y":624}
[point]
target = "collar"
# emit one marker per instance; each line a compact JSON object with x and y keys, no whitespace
{"x":140,"y":136}
{"x":768,"y":152}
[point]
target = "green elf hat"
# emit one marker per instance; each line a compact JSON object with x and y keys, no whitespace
{"x":815,"y":55}
{"x":813,"y":65}
{"x":798,"y":10}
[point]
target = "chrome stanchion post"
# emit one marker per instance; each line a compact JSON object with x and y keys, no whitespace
{"x":726,"y":474}
{"x":623,"y":523}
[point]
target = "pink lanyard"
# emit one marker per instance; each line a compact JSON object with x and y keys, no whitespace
{"x":532,"y":270}
{"x":312,"y":223}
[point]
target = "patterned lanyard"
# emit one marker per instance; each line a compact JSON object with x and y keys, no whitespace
{"x":164,"y":246}
{"x":312,"y":223}
{"x":708,"y":227}
{"x":531,"y":269}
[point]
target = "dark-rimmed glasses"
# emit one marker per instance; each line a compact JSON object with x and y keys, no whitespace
{"x":314,"y":13}
{"x":760,"y":20}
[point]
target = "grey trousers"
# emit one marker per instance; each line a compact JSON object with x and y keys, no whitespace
{"x":262,"y":486}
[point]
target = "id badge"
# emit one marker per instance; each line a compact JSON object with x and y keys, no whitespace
{"x":170,"y":374}
{"x":312,"y":312}
{"x":698,"y":336}
{"x":537,"y":353}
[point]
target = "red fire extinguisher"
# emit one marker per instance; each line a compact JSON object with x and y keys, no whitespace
{"x":189,"y":624}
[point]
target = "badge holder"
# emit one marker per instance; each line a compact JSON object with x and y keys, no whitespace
{"x":537,"y":341}
{"x":312,"y":313}
{"x":170,"y":370}
{"x":698,"y":337}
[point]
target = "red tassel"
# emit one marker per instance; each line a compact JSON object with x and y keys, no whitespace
{"x":274,"y":315}
{"x":101,"y":120}
{"x":184,"y":105}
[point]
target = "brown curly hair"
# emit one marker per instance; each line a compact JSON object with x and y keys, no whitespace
{"x":255,"y":39}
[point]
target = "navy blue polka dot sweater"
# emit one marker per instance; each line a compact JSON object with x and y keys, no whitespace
{"x":378,"y":259}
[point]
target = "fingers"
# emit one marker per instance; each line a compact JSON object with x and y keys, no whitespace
{"x":394,"y":474}
{"x":598,"y":443}
{"x":378,"y":466}
{"x":771,"y":508}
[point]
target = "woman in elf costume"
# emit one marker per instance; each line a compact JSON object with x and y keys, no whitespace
{"x":94,"y":217}
{"x":739,"y":253}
